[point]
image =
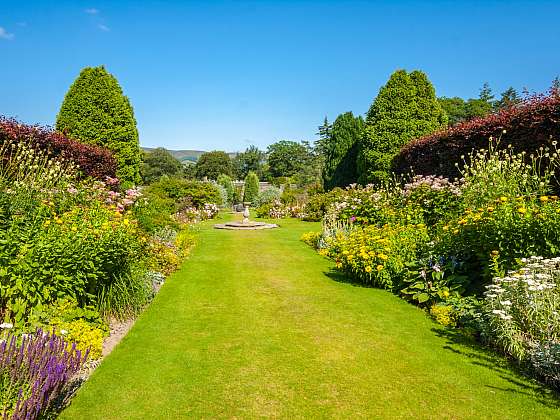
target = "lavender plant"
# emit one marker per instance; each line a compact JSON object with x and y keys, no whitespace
{"x":34,"y":372}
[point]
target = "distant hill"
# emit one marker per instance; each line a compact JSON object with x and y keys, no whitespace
{"x":186,"y":155}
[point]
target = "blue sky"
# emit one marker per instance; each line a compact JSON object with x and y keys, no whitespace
{"x":223,"y":74}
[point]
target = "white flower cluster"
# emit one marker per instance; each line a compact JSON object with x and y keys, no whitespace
{"x":523,"y":314}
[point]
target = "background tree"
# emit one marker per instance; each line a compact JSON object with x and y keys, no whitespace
{"x":341,"y":151}
{"x":394,"y":119}
{"x":251,"y":191}
{"x":225,"y":181}
{"x":159,"y":162}
{"x":483,"y":105}
{"x":508,"y":98}
{"x":252,"y":159}
{"x":324,"y":132}
{"x":455,"y":108}
{"x":96,"y":111}
{"x":213,"y":164}
{"x":286,"y":158}
{"x":555,"y":88}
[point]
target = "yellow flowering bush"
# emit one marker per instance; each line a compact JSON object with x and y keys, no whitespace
{"x":503,"y":230}
{"x":378,"y":256}
{"x":83,"y":334}
{"x":311,"y":239}
{"x":444,"y":315}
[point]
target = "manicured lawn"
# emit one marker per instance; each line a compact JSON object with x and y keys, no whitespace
{"x":256,"y":325}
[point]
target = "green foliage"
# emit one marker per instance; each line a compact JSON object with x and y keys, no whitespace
{"x":431,"y":284}
{"x":211,"y":165}
{"x":96,"y":111}
{"x":508,"y":98}
{"x":182,"y":192}
{"x":268,"y":196}
{"x":405,"y":108}
{"x":226,"y":182}
{"x":124,"y":297}
{"x":287,"y":158}
{"x":251,"y":191}
{"x":319,"y":204}
{"x":341,"y":151}
{"x":455,"y":108}
{"x":251,"y":160}
{"x":157,"y":163}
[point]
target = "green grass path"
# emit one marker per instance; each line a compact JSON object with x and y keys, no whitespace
{"x":254,"y":326}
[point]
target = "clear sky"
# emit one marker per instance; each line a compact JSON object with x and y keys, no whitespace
{"x":222,"y":75}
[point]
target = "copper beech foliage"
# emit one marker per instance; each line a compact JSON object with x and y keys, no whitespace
{"x":93,"y":161}
{"x":532,"y":124}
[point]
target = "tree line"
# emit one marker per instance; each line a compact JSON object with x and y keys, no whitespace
{"x":351,"y":149}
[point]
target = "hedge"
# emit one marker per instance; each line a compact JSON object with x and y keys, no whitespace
{"x":528,"y":126}
{"x":93,"y":161}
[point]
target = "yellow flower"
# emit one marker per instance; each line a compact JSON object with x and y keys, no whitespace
{"x":503,"y":199}
{"x":455,"y":231}
{"x":47,"y":222}
{"x":126,"y":222}
{"x":445,"y":293}
{"x":543,"y":198}
{"x":462,"y":222}
{"x":345,"y":252}
{"x":368,"y":269}
{"x":383,"y":256}
{"x":74,"y":229}
{"x":338,"y":265}
{"x":445,"y":228}
{"x":350,"y":257}
{"x":522,"y":210}
{"x":379,"y":267}
{"x":58,"y":221}
{"x":554,"y":197}
{"x":495,"y":253}
{"x":490,"y":209}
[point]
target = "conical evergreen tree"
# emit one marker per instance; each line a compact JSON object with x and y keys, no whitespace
{"x":251,"y":187}
{"x":96,"y":111}
{"x":341,"y":151}
{"x":405,"y":108}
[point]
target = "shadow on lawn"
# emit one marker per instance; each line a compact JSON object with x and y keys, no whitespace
{"x":459,"y":343}
{"x":342,"y":277}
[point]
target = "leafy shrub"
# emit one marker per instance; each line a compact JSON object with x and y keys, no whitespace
{"x":32,"y":383}
{"x":226,"y":182}
{"x":528,"y":126}
{"x":186,"y":192}
{"x":431,"y":284}
{"x":504,"y":230}
{"x":268,"y":196}
{"x":318,"y":204}
{"x":522,"y":316}
{"x":93,"y":161}
{"x":436,"y":198}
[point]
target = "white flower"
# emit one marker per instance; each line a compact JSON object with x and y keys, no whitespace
{"x":7,"y":325}
{"x":506,"y":302}
{"x":63,"y":332}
